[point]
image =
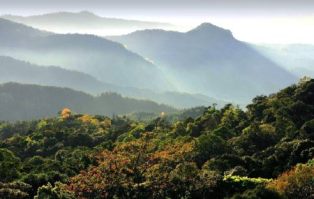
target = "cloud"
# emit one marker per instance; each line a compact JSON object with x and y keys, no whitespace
{"x":246,"y":18}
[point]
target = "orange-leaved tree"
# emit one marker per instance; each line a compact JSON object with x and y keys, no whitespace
{"x":297,"y":182}
{"x":142,"y":169}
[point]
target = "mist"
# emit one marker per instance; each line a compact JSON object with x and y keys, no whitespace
{"x":251,"y":21}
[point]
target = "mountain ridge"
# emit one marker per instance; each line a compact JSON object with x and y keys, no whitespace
{"x":104,"y":59}
{"x":208,"y":59}
{"x":83,"y":22}
{"x":28,"y":102}
{"x":12,"y":70}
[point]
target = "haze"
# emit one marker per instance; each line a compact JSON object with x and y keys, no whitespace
{"x":251,"y":21}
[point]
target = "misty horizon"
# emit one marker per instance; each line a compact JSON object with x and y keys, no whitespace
{"x":250,"y":21}
{"x":148,"y":38}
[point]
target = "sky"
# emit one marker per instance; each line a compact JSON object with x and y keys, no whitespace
{"x":258,"y":21}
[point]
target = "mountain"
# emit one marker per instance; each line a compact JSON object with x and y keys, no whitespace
{"x":175,"y":99}
{"x":297,"y":58}
{"x":106,"y":60}
{"x":209,"y":60}
{"x":12,"y":31}
{"x":12,"y":70}
{"x":25,"y":102}
{"x":84,"y":22}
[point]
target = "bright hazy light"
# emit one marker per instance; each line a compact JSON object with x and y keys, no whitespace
{"x":256,"y":28}
{"x":259,"y":29}
{"x":272,"y":30}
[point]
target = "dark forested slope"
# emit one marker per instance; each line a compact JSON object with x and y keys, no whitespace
{"x":263,"y":152}
{"x":24,"y":102}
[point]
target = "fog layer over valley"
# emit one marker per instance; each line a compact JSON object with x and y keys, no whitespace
{"x":297,"y":58}
{"x":106,"y":60}
{"x":85,"y":22}
{"x":209,"y":59}
{"x":200,"y":67}
{"x":12,"y":70}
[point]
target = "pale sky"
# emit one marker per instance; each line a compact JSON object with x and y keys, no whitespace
{"x":267,"y":21}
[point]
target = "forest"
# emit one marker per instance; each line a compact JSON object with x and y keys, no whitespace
{"x":29,"y":102}
{"x":263,"y":151}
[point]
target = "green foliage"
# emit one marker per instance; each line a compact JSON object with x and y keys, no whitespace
{"x":52,"y":192}
{"x":224,"y":152}
{"x":14,"y":190}
{"x":260,"y":192}
{"x":210,"y":146}
{"x":307,"y":129}
{"x":9,"y":165}
{"x":52,"y":150}
{"x":246,"y":182}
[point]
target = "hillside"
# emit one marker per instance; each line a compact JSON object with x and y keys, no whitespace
{"x":13,"y":34}
{"x":265,"y":151}
{"x":208,"y":59}
{"x":297,"y":58}
{"x":84,"y":22}
{"x":106,"y":60}
{"x":12,"y":70}
{"x":175,"y":99}
{"x":26,"y":102}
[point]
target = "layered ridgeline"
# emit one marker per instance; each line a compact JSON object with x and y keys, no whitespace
{"x":12,"y":70}
{"x":25,"y":102}
{"x":297,"y":58}
{"x":84,"y":22}
{"x":106,"y":60}
{"x":208,"y":59}
{"x":263,"y":152}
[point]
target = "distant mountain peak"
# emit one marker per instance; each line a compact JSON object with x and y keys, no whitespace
{"x":208,"y":29}
{"x":207,"y":25}
{"x":83,"y":13}
{"x":86,"y":12}
{"x":18,"y":31}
